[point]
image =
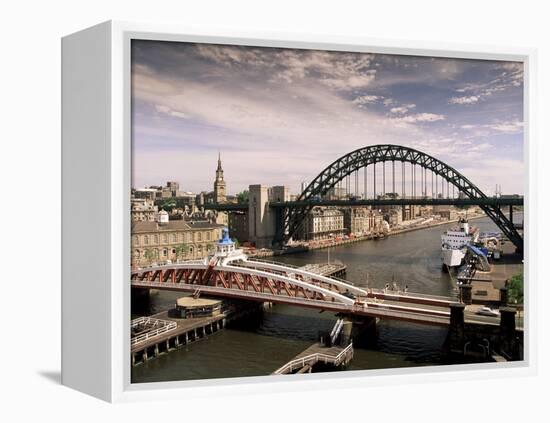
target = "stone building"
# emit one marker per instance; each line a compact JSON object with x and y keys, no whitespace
{"x":261,"y":217}
{"x":143,"y":210}
{"x":394,"y":217}
{"x":446,"y":214}
{"x":163,"y":240}
{"x":323,"y":223}
{"x":149,"y":194}
{"x":238,"y":226}
{"x":357,"y":220}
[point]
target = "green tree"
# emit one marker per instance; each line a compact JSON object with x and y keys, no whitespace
{"x":237,"y":243}
{"x":166,"y":204}
{"x":150,"y":255}
{"x":242,"y":197}
{"x":515,"y":289}
{"x":182,"y":250}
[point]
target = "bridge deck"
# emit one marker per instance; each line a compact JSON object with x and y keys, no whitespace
{"x":403,"y":311}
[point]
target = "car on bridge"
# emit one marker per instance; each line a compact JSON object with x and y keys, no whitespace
{"x":486,"y":311}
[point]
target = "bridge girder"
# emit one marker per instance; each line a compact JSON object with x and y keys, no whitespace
{"x":293,"y":217}
{"x":259,"y":279}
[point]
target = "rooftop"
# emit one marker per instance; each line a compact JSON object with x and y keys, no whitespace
{"x":190,"y":302}
{"x":172,"y":225}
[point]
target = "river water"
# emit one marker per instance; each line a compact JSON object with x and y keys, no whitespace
{"x":411,"y":258}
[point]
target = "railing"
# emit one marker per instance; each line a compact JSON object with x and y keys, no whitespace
{"x":162,"y":326}
{"x":373,"y":290}
{"x":400,"y":292}
{"x":380,"y":291}
{"x":299,"y":268}
{"x":311,"y":359}
{"x":381,"y":310}
{"x":278,"y":263}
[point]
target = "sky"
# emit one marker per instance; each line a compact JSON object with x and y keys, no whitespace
{"x":280,"y":116}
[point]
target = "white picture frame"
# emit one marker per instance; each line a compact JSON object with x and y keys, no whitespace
{"x":96,"y":198}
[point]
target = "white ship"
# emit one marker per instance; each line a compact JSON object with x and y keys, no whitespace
{"x":454,"y":242}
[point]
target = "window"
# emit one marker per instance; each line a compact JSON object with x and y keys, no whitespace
{"x":174,"y":238}
{"x":146,"y":240}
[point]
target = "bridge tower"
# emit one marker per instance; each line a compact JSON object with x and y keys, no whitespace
{"x":262,"y":219}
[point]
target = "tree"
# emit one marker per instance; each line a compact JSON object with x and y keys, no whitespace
{"x":166,"y":204}
{"x":182,"y":250}
{"x":150,"y":255}
{"x":242,"y":197}
{"x":515,"y":289}
{"x":237,"y":243}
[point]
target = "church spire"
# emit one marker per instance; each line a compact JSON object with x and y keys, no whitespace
{"x":219,"y":183}
{"x":219,"y":161}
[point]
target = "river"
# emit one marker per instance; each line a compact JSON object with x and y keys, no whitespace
{"x":412,"y":258}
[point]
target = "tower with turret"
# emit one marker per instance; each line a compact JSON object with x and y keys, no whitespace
{"x":219,"y":184}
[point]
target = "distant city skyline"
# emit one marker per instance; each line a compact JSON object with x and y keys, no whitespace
{"x":280,"y":116}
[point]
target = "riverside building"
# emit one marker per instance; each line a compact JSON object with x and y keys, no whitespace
{"x":165,"y":240}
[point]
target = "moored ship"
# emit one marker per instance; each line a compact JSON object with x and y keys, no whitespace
{"x":454,"y":242}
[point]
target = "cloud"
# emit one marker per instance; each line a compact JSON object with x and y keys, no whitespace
{"x":508,"y":127}
{"x":167,"y":110}
{"x":496,"y":127}
{"x":337,"y":70}
{"x":420,"y":117}
{"x":402,"y":109}
{"x":366,"y":99}
{"x":286,"y":114}
{"x":510,"y":75}
{"x":464,"y":100}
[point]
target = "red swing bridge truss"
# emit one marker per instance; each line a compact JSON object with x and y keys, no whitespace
{"x":264,"y":281}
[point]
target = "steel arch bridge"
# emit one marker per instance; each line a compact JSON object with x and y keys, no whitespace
{"x":293,"y":217}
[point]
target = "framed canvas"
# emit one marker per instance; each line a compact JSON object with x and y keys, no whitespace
{"x":264,"y":212}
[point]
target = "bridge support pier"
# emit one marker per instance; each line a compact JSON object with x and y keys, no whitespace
{"x":455,"y":338}
{"x":466,"y":294}
{"x":509,"y":345}
{"x":360,"y":330}
{"x":503,"y":296}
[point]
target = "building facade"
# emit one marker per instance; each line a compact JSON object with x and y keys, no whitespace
{"x":357,"y":220}
{"x":158,"y":242}
{"x":238,"y":226}
{"x":323,"y":223}
{"x":143,"y":210}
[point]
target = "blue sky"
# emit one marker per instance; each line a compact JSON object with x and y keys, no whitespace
{"x":279,"y":116}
